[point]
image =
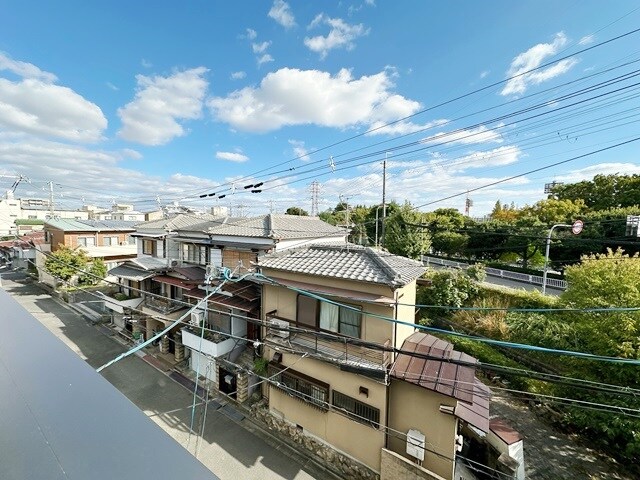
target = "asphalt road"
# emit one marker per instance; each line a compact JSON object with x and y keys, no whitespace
{"x":228,"y":447}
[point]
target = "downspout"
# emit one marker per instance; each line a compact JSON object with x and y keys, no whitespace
{"x":388,"y":386}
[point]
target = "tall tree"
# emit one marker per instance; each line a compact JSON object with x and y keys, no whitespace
{"x":297,"y":211}
{"x":404,"y":233}
{"x":66,"y":262}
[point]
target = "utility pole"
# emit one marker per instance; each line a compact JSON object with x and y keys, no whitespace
{"x":384,"y":197}
{"x":315,"y":190}
{"x":51,"y":209}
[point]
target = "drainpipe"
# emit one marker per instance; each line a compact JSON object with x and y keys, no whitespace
{"x":388,"y":386}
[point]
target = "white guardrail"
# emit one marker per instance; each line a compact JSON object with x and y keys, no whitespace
{"x":496,"y":272}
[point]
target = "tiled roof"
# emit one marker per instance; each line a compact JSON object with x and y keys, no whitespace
{"x":349,"y":262}
{"x":177,"y":222}
{"x":295,"y":226}
{"x":72,"y":225}
{"x":274,"y":226}
{"x":129,"y":273}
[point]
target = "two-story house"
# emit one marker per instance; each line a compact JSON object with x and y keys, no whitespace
{"x":333,"y":383}
{"x":340,"y":342}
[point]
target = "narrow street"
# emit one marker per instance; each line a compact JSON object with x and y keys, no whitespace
{"x":232,"y":446}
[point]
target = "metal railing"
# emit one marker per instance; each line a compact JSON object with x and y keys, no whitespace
{"x":496,"y":272}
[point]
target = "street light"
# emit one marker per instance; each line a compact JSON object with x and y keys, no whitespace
{"x":576,"y":228}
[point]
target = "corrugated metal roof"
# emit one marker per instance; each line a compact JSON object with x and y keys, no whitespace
{"x":432,"y":370}
{"x":150,"y":263}
{"x":350,"y":262}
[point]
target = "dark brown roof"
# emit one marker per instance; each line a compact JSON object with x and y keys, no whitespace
{"x":191,"y":273}
{"x":477,"y":412}
{"x":504,"y":432}
{"x":427,"y":364}
{"x":178,"y":282}
{"x":245,"y":296}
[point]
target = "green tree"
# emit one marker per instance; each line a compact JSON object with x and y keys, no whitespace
{"x":450,"y":243}
{"x":606,"y":280}
{"x":94,"y":272}
{"x":66,"y":262}
{"x":603,"y":192}
{"x":552,"y":211}
{"x":449,"y":288}
{"x":404,"y":232}
{"x":297,"y":211}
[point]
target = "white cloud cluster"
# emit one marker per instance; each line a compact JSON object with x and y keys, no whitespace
{"x":238,"y":75}
{"x":237,"y":157}
{"x":281,"y":13}
{"x":24,"y":69}
{"x":341,"y":35}
{"x":152,"y":117}
{"x":497,"y":157}
{"x":35,"y":105}
{"x":533,"y":58}
{"x":258,"y":48}
{"x":301,"y":97}
{"x":299,"y":150}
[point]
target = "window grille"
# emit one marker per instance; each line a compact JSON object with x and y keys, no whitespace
{"x":300,"y":386}
{"x":356,"y":409}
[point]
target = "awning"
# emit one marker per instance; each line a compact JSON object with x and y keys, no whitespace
{"x":336,"y":292}
{"x":224,"y":300}
{"x":186,"y":284}
{"x":129,"y":273}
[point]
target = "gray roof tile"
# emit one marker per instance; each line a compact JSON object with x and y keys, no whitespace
{"x":72,"y":225}
{"x":350,"y":262}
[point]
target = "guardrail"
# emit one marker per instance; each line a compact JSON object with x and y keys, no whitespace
{"x":496,"y":272}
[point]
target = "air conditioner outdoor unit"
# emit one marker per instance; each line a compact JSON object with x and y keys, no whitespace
{"x":196,"y":318}
{"x":280,"y":324}
{"x":173,"y":262}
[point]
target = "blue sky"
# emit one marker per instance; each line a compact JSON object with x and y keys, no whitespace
{"x":123,"y":102}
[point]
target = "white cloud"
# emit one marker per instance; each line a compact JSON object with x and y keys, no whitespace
{"x":484,"y":73}
{"x":251,"y":34}
{"x":497,"y":157}
{"x":232,"y":156}
{"x":24,"y":69}
{"x":533,"y":58}
{"x":152,"y":117}
{"x":112,"y":86}
{"x":266,"y":58}
{"x":467,"y":136}
{"x":146,"y":63}
{"x":587,"y":173}
{"x":299,"y":150}
{"x":301,"y":97}
{"x":40,"y":108}
{"x":238,"y":75}
{"x":260,"y":47}
{"x":586,"y":40}
{"x":341,"y":35}
{"x":130,"y":153}
{"x":281,"y":13}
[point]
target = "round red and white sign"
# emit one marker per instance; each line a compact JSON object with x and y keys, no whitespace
{"x":576,"y":228}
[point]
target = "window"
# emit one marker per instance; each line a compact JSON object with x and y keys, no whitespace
{"x":110,"y":241}
{"x":86,"y":241}
{"x":298,"y":385}
{"x":357,"y":410}
{"x":328,"y":316}
{"x":194,"y":253}
{"x":148,"y":247}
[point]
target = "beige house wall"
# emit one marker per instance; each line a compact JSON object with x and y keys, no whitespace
{"x":360,"y":441}
{"x":414,"y":407}
{"x":373,"y":329}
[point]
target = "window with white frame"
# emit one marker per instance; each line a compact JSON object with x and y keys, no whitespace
{"x":110,"y":241}
{"x":194,"y":253}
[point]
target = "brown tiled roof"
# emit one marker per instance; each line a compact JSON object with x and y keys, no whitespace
{"x":433,"y":369}
{"x":178,"y":282}
{"x":190,"y":273}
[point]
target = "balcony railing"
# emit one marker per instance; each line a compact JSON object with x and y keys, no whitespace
{"x":340,"y":349}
